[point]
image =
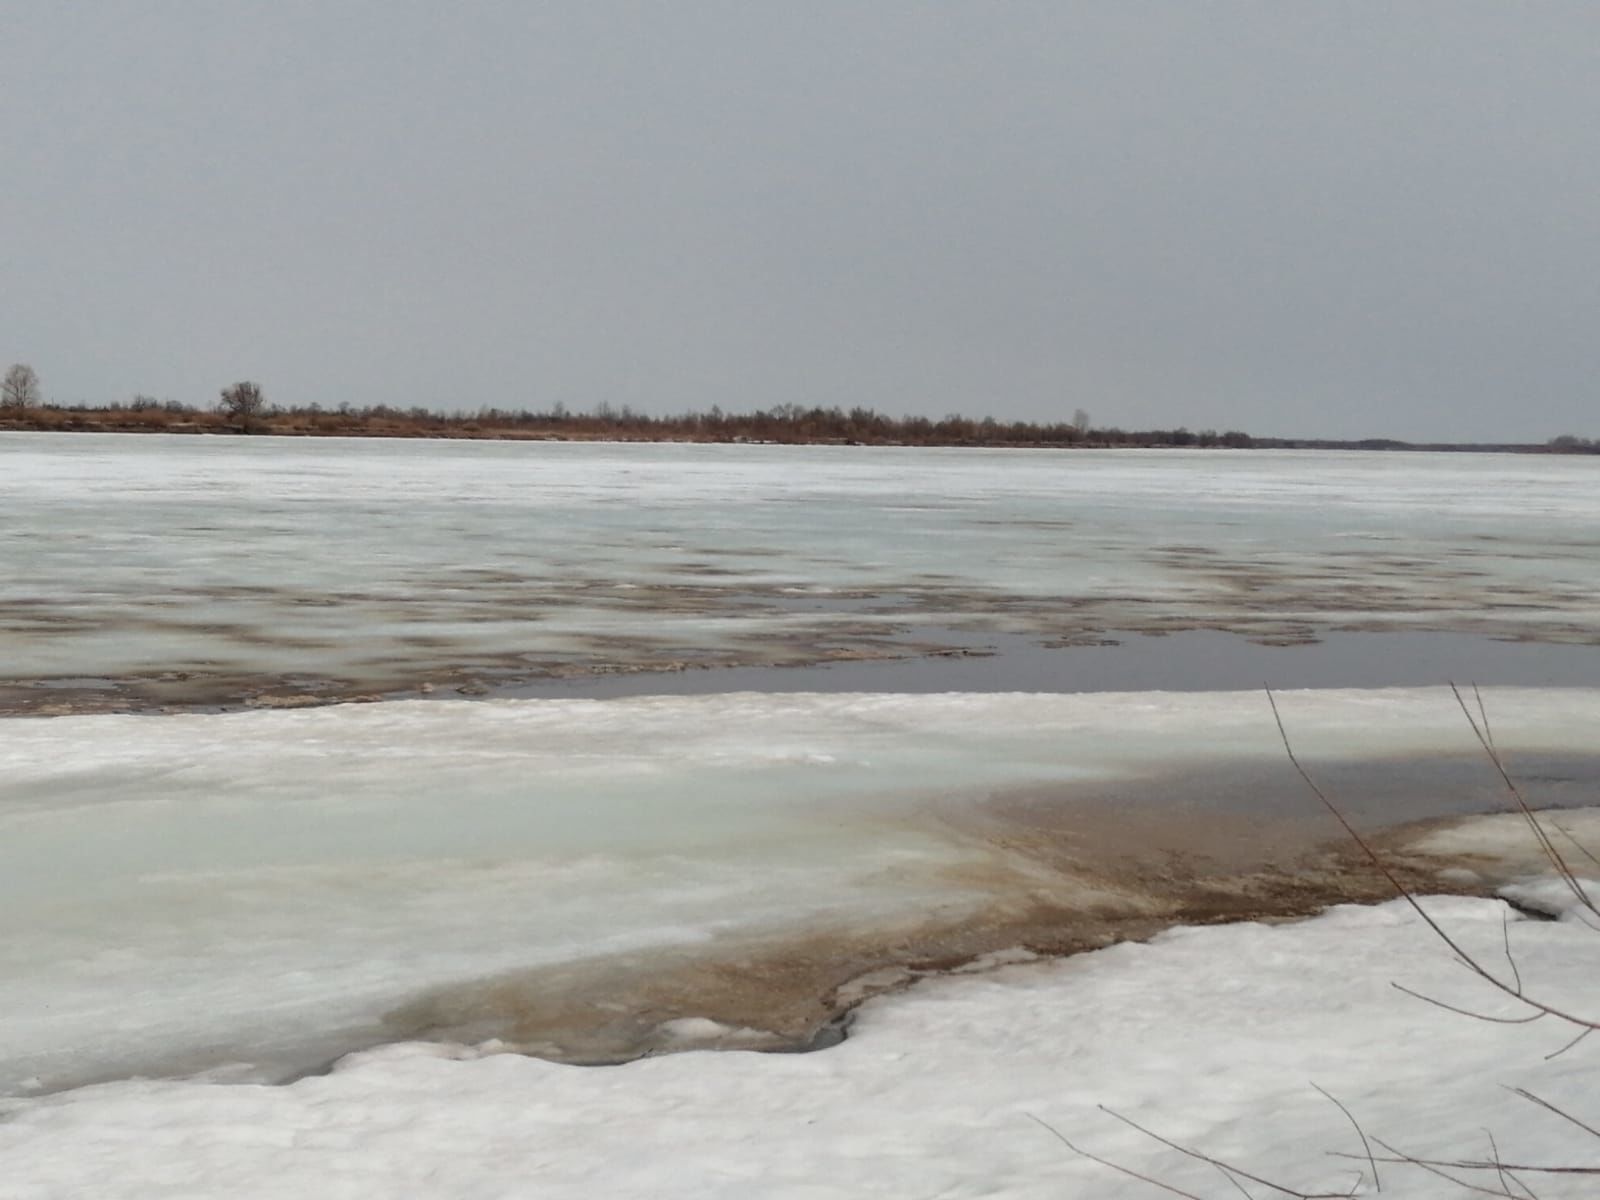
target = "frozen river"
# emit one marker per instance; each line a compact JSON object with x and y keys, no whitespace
{"x":577,"y":864}
{"x":270,"y":889}
{"x":202,"y":571}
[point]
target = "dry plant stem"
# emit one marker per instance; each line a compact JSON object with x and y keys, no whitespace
{"x":1106,"y":1162}
{"x":1435,"y":1169}
{"x":1505,"y":1173}
{"x":1506,"y":1177}
{"x":1558,"y":1053}
{"x":1505,"y":942}
{"x":1232,"y":1173}
{"x":1377,"y":1182}
{"x":1576,"y":844}
{"x":1551,"y":1108}
{"x":1473,"y":1164}
{"x":1545,"y":843}
{"x":1467,"y":1012}
{"x":1514,"y":991}
{"x":1234,"y":1179}
{"x":1225,"y":1167}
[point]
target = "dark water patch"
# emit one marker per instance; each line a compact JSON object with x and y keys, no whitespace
{"x":1186,"y":661}
{"x":88,"y":683}
{"x":887,"y":650}
{"x":1237,"y":812}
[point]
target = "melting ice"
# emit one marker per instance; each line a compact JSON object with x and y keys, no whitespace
{"x":182,"y":892}
{"x":386,"y":564}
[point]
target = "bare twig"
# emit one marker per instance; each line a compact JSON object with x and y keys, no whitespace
{"x":1505,"y":941}
{"x":1472,"y":1164}
{"x":1106,"y":1162}
{"x":1470,"y":962}
{"x":1582,"y":1033}
{"x":1576,"y":844}
{"x":1438,"y":1169}
{"x":1234,"y":1179}
{"x":1506,"y":1177}
{"x":1525,"y":1019}
{"x":1546,"y":844}
{"x":1206,"y":1158}
{"x":1560,"y":1112}
{"x":1511,"y":1186}
{"x":1483,"y":714}
{"x":1360,"y":1133}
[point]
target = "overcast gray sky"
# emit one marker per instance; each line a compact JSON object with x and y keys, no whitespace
{"x":1331,"y":219}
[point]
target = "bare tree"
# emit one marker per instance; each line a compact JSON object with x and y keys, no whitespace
{"x":20,"y":388}
{"x":242,"y":403}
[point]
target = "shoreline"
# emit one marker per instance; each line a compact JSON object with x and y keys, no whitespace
{"x":687,"y":869}
{"x":943,"y":1080}
{"x":457,"y":427}
{"x":704,"y":1001}
{"x":1063,"y":885}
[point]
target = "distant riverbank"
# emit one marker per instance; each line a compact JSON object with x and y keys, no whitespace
{"x":784,"y":425}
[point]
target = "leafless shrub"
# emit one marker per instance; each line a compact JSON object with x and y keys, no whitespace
{"x":20,"y":387}
{"x":243,"y":403}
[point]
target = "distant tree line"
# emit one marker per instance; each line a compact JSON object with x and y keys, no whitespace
{"x":243,"y":408}
{"x":1571,"y":443}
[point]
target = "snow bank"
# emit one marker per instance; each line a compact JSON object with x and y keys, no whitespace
{"x":1213,"y":1037}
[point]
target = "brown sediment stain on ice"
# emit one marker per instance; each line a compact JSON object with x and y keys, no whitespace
{"x":1050,"y":880}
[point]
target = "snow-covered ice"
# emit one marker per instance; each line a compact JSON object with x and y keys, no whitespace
{"x":185,"y":891}
{"x":241,"y":897}
{"x":1212,"y":1037}
{"x":187,"y":561}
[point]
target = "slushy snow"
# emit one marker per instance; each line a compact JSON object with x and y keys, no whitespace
{"x":187,"y":891}
{"x":1211,"y":1037}
{"x":249,"y":878}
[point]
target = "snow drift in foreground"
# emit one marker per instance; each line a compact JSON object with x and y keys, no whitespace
{"x":1212,"y":1037}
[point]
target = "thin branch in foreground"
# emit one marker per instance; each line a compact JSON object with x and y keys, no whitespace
{"x":1505,"y":941}
{"x":1436,"y":1169}
{"x":1528,"y":1019}
{"x":1360,"y":1133}
{"x":1506,"y":1177}
{"x":1576,"y":844}
{"x":1582,"y":1033}
{"x":1405,"y":893}
{"x":1483,"y":712}
{"x":1106,"y":1162}
{"x":1215,"y":1162}
{"x":1551,"y":1108}
{"x":1470,"y":1164}
{"x":1234,"y":1179}
{"x":1546,"y":844}
{"x":1510,"y":1185}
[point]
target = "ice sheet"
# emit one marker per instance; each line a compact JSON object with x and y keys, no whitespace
{"x":216,"y":567}
{"x":183,"y":891}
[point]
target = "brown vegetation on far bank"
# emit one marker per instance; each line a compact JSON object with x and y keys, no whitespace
{"x":789,"y":424}
{"x":785,"y":424}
